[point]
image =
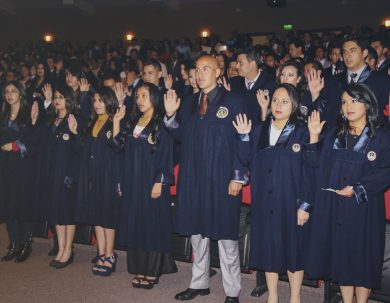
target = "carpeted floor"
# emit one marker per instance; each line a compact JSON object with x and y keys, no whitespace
{"x":35,"y":282}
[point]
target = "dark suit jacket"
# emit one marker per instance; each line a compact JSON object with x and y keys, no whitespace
{"x":265,"y":81}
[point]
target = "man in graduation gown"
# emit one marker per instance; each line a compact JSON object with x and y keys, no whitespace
{"x":354,"y":51}
{"x":210,"y":178}
{"x":251,"y":78}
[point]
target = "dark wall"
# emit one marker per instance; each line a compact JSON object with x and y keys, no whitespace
{"x":158,"y":21}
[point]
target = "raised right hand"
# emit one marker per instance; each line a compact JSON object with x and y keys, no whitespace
{"x":171,"y":102}
{"x":314,"y":124}
{"x":47,"y":92}
{"x":242,"y":124}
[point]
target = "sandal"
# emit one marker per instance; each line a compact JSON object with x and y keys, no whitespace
{"x":106,"y":271}
{"x":137,"y":279}
{"x":143,"y":283}
{"x":154,"y":281}
{"x":97,"y":258}
{"x":96,"y":269}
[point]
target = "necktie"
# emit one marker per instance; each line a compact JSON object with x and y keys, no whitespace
{"x":249,"y":85}
{"x":353,"y":78}
{"x":203,"y":105}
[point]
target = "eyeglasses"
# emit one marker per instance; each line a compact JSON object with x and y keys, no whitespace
{"x":58,"y":98}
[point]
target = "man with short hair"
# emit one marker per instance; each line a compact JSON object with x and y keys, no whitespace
{"x":251,"y":79}
{"x":210,"y":178}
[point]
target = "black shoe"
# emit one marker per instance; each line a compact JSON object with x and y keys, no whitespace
{"x":53,"y":263}
{"x":25,"y":252}
{"x":13,"y":251}
{"x":232,"y":300}
{"x":60,"y":265}
{"x":191,"y":293}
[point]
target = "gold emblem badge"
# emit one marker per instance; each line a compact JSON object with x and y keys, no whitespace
{"x":296,"y":148}
{"x":109,"y":134}
{"x":150,"y":139}
{"x":65,"y":137}
{"x":222,"y":112}
{"x":371,"y":155}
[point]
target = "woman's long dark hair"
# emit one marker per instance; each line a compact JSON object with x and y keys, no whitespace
{"x":24,"y":114}
{"x":362,"y":93}
{"x":293,"y":94}
{"x":154,"y":123}
{"x":70,"y":103}
{"x":108,"y":97}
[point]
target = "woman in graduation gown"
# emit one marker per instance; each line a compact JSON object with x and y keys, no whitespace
{"x":60,"y":155}
{"x":19,"y":146}
{"x":280,"y":195}
{"x":348,"y":221}
{"x":99,"y":186}
{"x":146,"y":214}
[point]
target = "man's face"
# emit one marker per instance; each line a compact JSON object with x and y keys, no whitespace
{"x":295,"y":52}
{"x":244,"y":66}
{"x":207,"y":72}
{"x":151,"y":74}
{"x":377,"y":45}
{"x":320,"y":54}
{"x":354,"y":57}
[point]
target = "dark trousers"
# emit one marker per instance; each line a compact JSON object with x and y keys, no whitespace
{"x":20,"y":231}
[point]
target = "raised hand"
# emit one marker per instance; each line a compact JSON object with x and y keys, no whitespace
{"x":72,"y":123}
{"x":242,"y":124}
{"x":120,"y":114}
{"x":171,"y":102}
{"x":168,"y":81}
{"x":315,"y":83}
{"x":263,"y":99}
{"x":34,"y":113}
{"x":346,"y":191}
{"x":224,"y":83}
{"x":156,"y":190}
{"x":315,"y":126}
{"x":84,"y":85}
{"x":120,"y":93}
{"x":47,"y":92}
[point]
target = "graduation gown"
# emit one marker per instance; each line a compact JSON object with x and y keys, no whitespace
{"x":99,"y":181}
{"x":348,"y":234}
{"x":146,"y":223}
{"x":17,"y":171}
{"x":208,"y":162}
{"x":279,"y":187}
{"x":56,"y":183}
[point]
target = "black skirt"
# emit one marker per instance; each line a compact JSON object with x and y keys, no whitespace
{"x":151,"y":264}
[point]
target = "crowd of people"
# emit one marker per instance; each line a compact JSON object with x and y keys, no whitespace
{"x":91,"y":134}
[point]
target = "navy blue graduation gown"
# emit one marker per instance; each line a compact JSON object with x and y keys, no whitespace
{"x":208,"y":162}
{"x":348,"y":234}
{"x":99,"y":180}
{"x":146,"y":223}
{"x":17,"y":170}
{"x":56,"y":183}
{"x":279,"y":187}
